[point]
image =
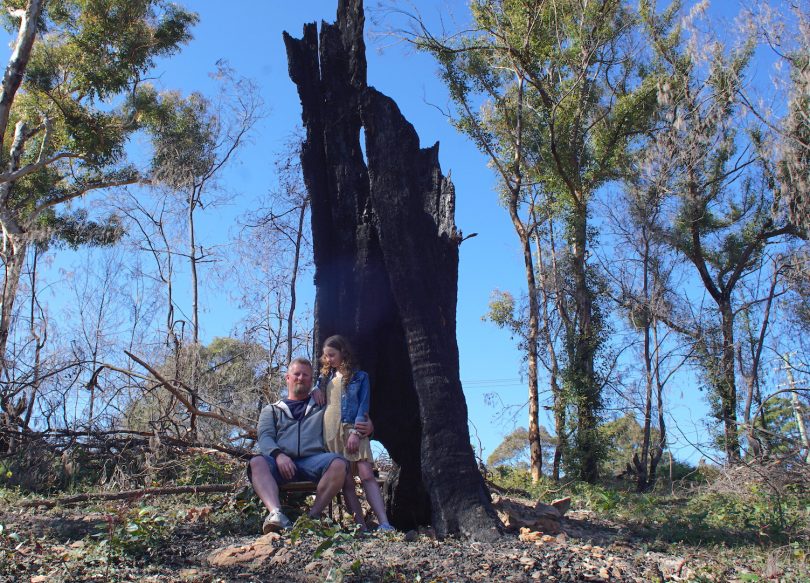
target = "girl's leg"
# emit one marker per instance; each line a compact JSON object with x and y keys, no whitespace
{"x":352,"y":501}
{"x":372,"y":490}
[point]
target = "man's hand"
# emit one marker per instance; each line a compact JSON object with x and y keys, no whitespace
{"x":353,"y":442}
{"x":366,"y":428}
{"x":319,"y":396}
{"x":286,"y":467}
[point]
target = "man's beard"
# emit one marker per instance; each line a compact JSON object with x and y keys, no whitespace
{"x":300,"y":390}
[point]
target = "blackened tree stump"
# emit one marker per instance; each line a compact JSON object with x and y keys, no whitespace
{"x":386,"y":275}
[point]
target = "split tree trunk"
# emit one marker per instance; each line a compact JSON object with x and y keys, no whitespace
{"x":386,"y":260}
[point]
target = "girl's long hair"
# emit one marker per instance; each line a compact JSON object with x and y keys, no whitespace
{"x":348,"y":367}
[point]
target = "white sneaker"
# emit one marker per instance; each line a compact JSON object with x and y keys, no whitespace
{"x":276,"y":521}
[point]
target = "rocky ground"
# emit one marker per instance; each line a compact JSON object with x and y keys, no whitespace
{"x":84,"y":545}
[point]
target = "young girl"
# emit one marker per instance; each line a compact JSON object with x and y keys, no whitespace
{"x":347,"y":393}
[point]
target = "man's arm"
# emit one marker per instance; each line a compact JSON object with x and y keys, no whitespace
{"x":365,"y":427}
{"x":267,"y":432}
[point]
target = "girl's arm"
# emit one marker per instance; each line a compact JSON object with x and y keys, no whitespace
{"x":363,"y":397}
{"x":319,"y":393}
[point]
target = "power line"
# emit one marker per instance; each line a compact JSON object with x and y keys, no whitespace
{"x":492,"y":383}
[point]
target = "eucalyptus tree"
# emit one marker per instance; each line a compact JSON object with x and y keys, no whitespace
{"x":66,"y":115}
{"x":552,"y":93}
{"x":723,"y":212}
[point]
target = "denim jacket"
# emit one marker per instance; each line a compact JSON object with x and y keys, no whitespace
{"x":355,"y":396}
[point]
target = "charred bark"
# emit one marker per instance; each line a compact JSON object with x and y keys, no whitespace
{"x":386,"y":275}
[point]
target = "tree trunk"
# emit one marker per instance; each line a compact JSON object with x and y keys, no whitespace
{"x":583,"y":381}
{"x":299,"y":235}
{"x":15,"y":70}
{"x":728,"y":385}
{"x":535,"y":448}
{"x":642,"y":482}
{"x":386,"y":270}
{"x":14,"y":258}
{"x":545,"y":330}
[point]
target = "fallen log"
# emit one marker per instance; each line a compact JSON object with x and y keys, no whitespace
{"x":130,"y":494}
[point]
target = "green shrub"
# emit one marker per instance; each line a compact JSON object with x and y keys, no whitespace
{"x":204,"y":469}
{"x":142,"y":531}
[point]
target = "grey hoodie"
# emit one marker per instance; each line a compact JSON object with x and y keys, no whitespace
{"x":278,"y":431}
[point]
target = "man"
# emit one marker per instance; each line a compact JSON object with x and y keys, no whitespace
{"x":290,"y":435}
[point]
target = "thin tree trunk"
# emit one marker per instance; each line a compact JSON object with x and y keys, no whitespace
{"x":38,"y":345}
{"x":291,"y":313}
{"x":195,"y":288}
{"x":583,"y":378}
{"x":560,"y":402}
{"x":13,"y":76}
{"x":14,"y":261}
{"x":728,"y":385}
{"x":554,"y":368}
{"x":195,"y":312}
{"x":642,"y":482}
{"x":658,"y":451}
{"x":752,"y":379}
{"x":798,"y":413}
{"x":535,"y":448}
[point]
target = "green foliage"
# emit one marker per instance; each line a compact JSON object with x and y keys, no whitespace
{"x":555,"y":95}
{"x":8,"y":541}
{"x":231,"y":377}
{"x":753,"y":514}
{"x":204,"y":469}
{"x":71,"y":120}
{"x":184,"y":132}
{"x":519,"y":481}
{"x":336,"y":540}
{"x":514,"y":449}
{"x":143,"y":531}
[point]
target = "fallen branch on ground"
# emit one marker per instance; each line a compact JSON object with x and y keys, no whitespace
{"x":131,"y":494}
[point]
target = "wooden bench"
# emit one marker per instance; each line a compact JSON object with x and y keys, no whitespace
{"x":311,"y":488}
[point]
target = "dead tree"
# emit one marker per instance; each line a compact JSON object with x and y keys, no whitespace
{"x":386,"y":258}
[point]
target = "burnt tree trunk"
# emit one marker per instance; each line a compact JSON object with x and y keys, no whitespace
{"x":386,"y":275}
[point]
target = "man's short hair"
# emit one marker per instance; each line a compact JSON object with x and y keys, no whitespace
{"x":300,"y":360}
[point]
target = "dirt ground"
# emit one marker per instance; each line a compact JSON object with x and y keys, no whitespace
{"x":64,"y":545}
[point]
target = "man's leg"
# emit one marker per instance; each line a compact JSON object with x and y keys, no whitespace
{"x":264,"y":483}
{"x":328,"y":486}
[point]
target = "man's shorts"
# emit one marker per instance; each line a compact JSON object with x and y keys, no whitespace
{"x":307,"y":469}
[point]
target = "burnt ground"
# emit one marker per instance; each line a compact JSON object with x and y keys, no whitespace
{"x":205,"y":545}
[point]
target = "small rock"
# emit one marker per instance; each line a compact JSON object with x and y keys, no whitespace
{"x":411,"y":536}
{"x":671,"y":568}
{"x":529,"y":535}
{"x":562,"y":538}
{"x":256,"y":552}
{"x":39,"y":579}
{"x":312,"y":567}
{"x":281,"y":557}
